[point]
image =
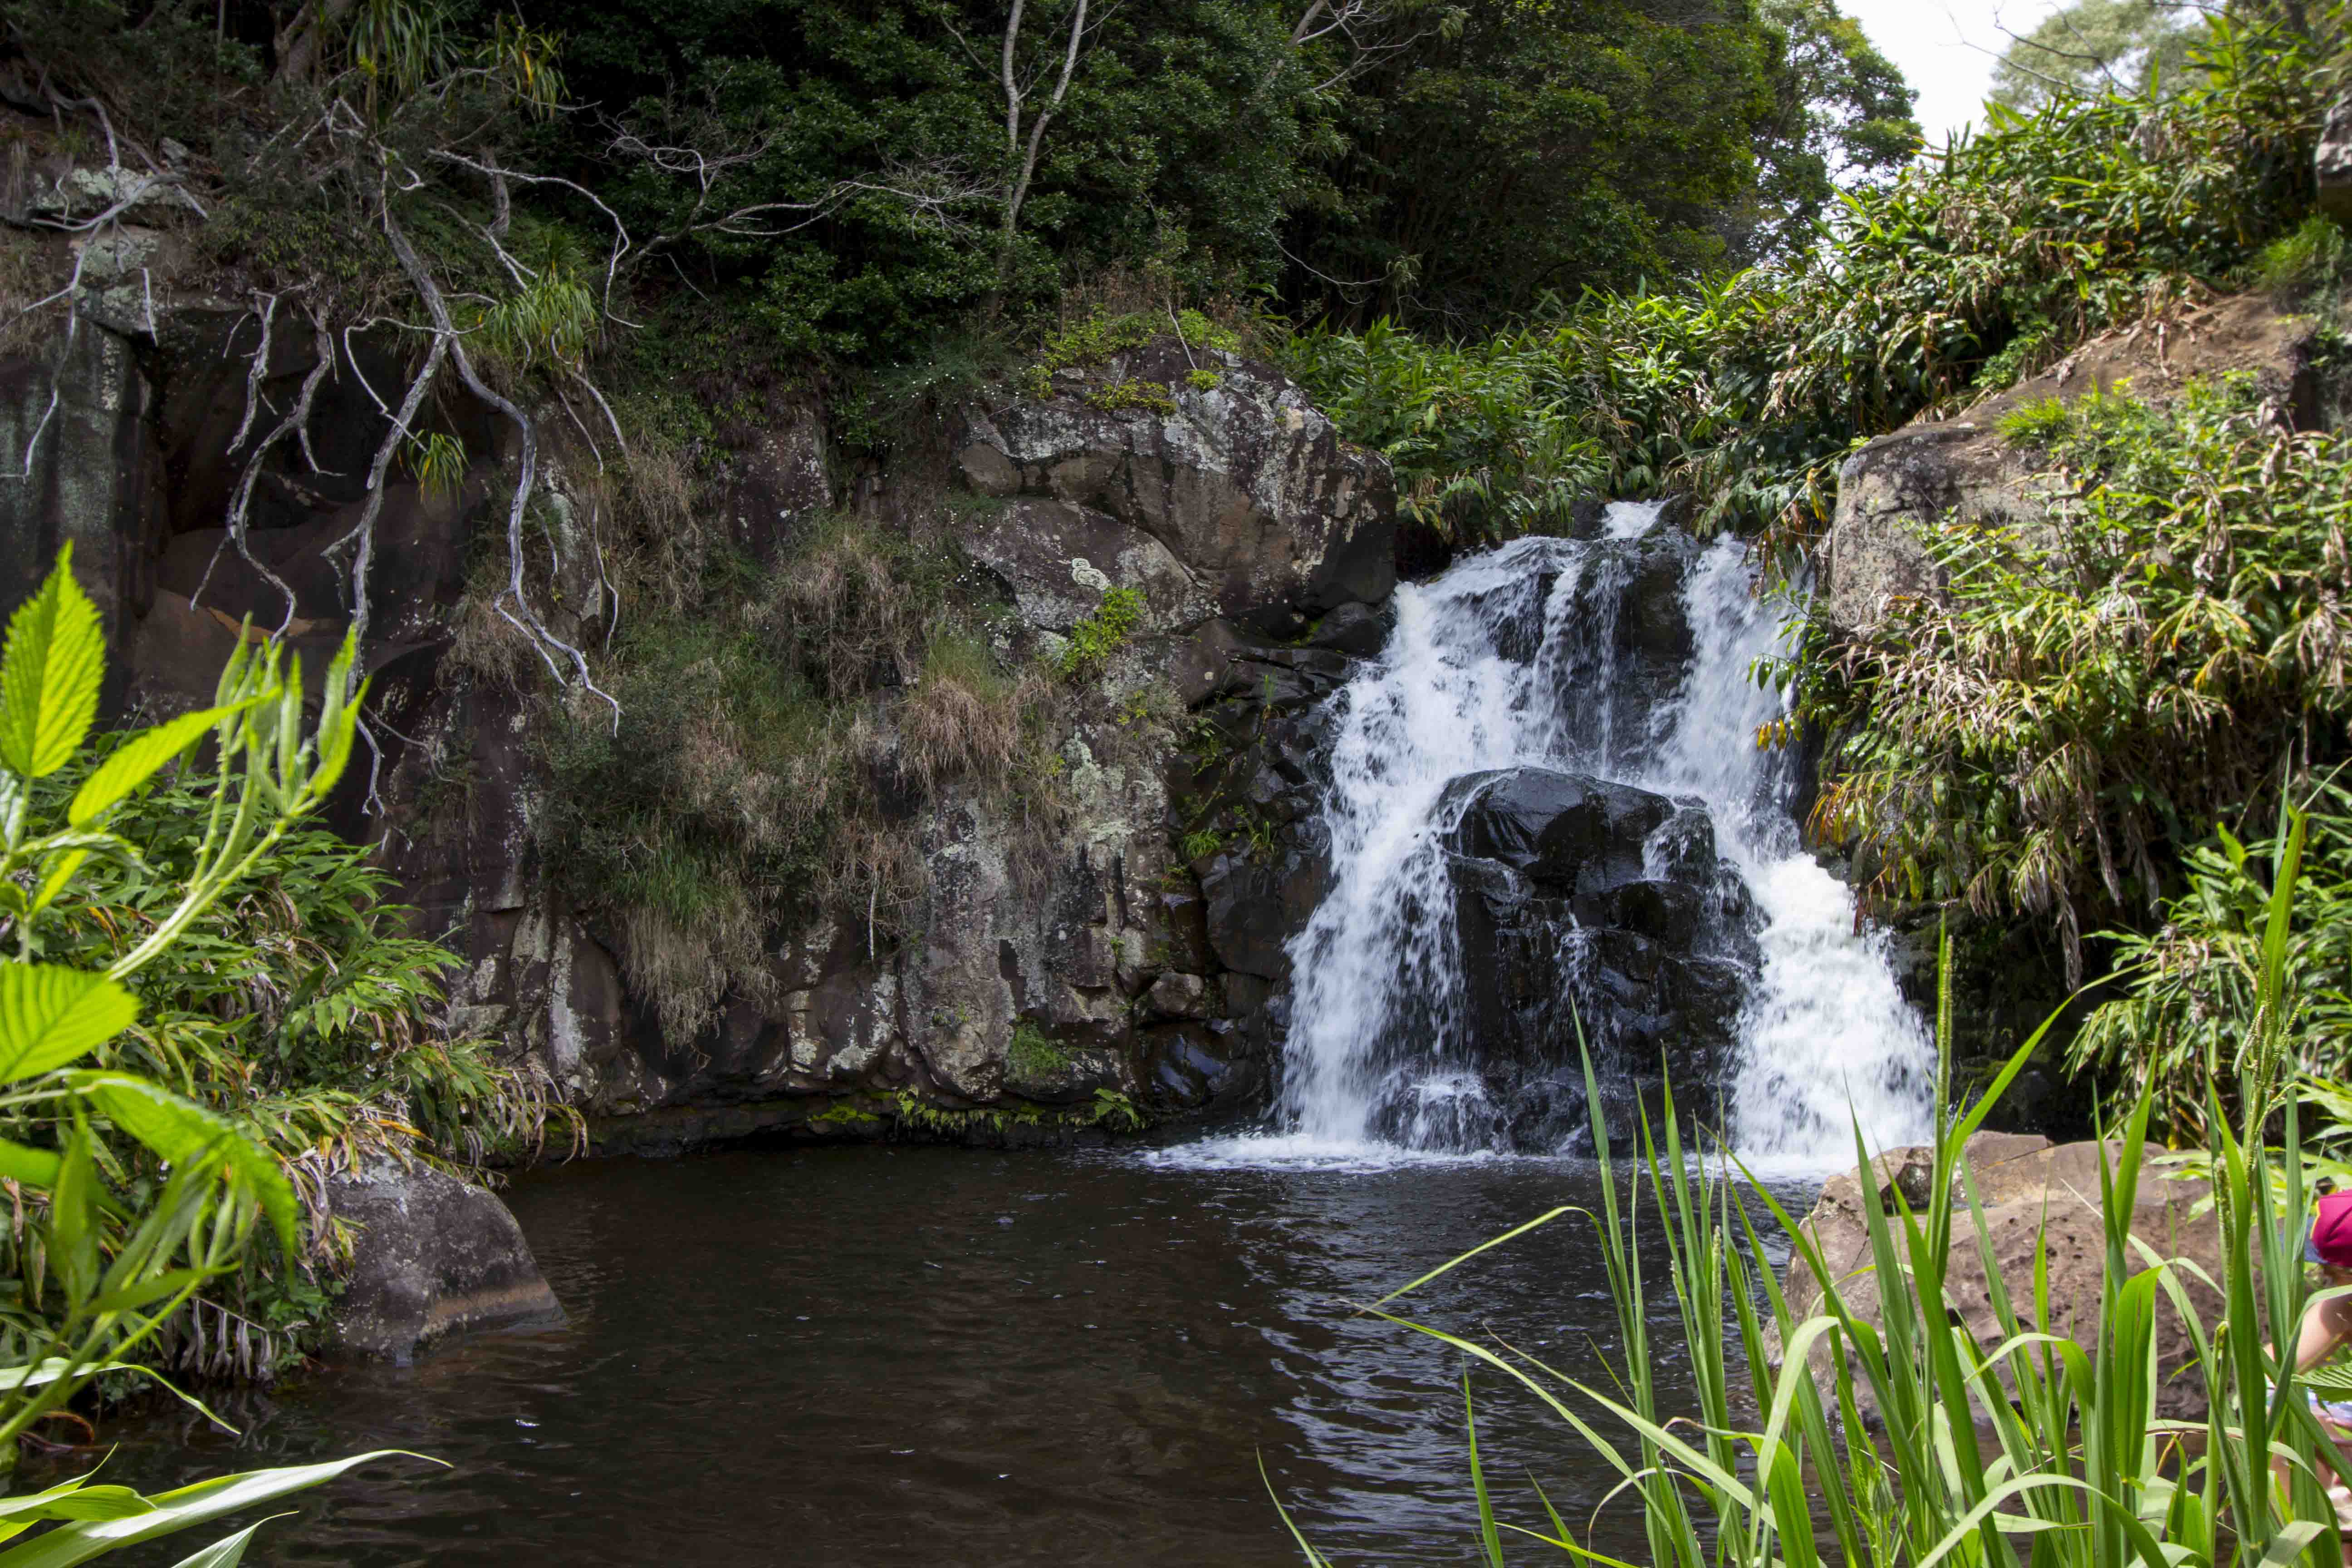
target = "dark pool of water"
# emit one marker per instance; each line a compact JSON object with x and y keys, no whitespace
{"x":884,"y":1356}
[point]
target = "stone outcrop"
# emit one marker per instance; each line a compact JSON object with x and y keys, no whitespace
{"x":1616,"y":892}
{"x":1961,"y":467}
{"x":2331,"y":163}
{"x":432,"y":1256}
{"x":1261,"y":545}
{"x":1239,"y":501}
{"x":2034,"y":1193}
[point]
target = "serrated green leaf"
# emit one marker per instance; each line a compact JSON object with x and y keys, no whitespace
{"x":49,"y":1015}
{"x":136,"y":761}
{"x":180,"y":1131}
{"x":49,"y":674}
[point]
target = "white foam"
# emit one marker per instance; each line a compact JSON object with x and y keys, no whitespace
{"x":1377,"y":1033}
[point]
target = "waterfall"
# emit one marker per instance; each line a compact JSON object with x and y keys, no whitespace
{"x":1619,"y":666}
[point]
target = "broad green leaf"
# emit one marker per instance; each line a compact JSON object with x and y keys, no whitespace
{"x":74,"y":1211}
{"x":228,"y":1553}
{"x":49,"y":1015}
{"x":13,"y":1378}
{"x":60,"y":873}
{"x":80,"y":1502}
{"x":136,"y":761}
{"x":180,"y":1131}
{"x":36,"y":1504}
{"x":181,"y":1510}
{"x":141,"y":1292}
{"x":33,"y":1167}
{"x":49,"y":674}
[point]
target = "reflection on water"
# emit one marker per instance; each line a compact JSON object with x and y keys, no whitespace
{"x":885,"y":1356}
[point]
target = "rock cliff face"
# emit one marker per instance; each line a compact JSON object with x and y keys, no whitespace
{"x":1045,"y":977}
{"x":1961,"y":467}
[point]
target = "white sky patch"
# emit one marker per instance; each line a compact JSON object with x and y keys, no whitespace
{"x":1946,"y":48}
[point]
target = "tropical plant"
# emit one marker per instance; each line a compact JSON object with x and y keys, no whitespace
{"x":2085,"y":697}
{"x":120,"y":1257}
{"x":2040,"y":1447}
{"x":2192,"y":987}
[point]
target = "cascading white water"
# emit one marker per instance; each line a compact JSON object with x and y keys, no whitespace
{"x":1378,"y":1054}
{"x":1827,"y":1040}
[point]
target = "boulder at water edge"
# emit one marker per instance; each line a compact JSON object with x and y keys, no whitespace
{"x":2030,"y":1188}
{"x":433,"y":1257}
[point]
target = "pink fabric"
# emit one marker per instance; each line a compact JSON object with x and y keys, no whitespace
{"x":2331,"y":1230}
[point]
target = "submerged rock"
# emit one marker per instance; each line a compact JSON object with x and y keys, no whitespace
{"x":433,"y":1257}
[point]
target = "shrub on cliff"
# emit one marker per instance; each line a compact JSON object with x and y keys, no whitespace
{"x":778,"y":736}
{"x":2087,"y":697}
{"x":2190,"y":991}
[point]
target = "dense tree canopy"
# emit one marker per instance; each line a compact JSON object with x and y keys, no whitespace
{"x":850,"y":181}
{"x":1451,"y":162}
{"x":2091,"y":46}
{"x":1535,"y":149}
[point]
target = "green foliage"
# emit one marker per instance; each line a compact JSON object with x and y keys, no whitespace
{"x":2004,"y":248}
{"x":909,"y":1112}
{"x":113,"y":1242}
{"x":1512,"y":155}
{"x":2091,"y":46}
{"x":286,"y":1006}
{"x":766,"y":723}
{"x":2299,"y":264}
{"x":2041,"y":423}
{"x":400,"y":47}
{"x":1033,"y":1056}
{"x":1106,"y":334}
{"x":552,"y":318}
{"x":1124,"y":396}
{"x":1093,"y":639}
{"x":437,"y":461}
{"x":1176,"y":153}
{"x":2041,"y":1444}
{"x":2087,"y":696}
{"x":1115,"y":1110}
{"x":2192,"y":987}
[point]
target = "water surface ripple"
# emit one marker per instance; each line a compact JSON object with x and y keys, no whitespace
{"x":882,"y":1356}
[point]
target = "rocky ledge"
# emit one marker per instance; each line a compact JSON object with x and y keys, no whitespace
{"x":2034,"y":1194}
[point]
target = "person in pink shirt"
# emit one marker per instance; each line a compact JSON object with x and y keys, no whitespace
{"x":2327,"y":1326}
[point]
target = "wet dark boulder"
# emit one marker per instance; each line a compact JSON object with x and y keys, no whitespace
{"x":433,"y":1257}
{"x":1594,"y":916}
{"x":1258,"y":899}
{"x":1567,"y":832}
